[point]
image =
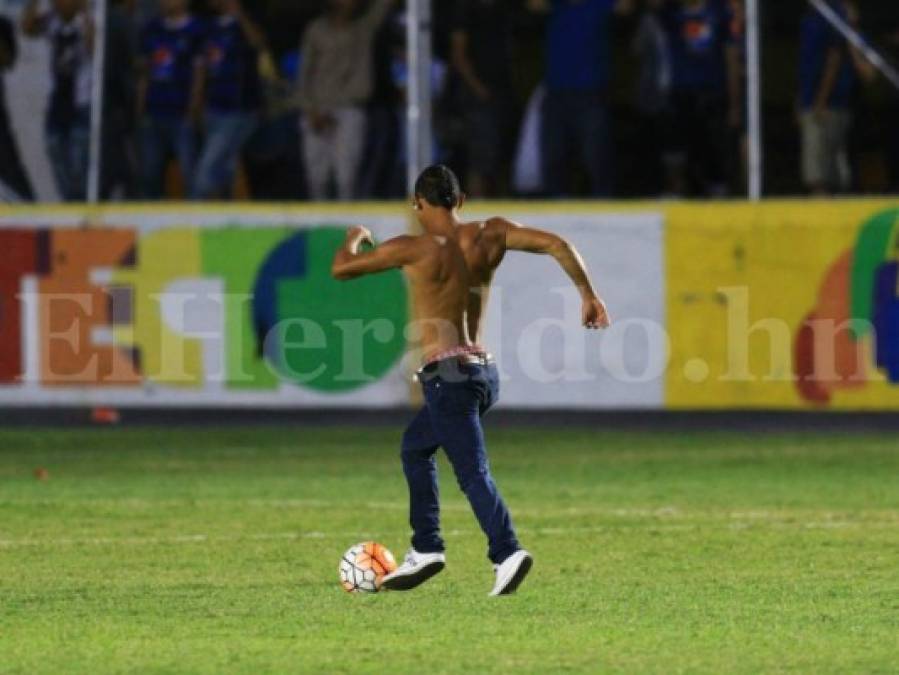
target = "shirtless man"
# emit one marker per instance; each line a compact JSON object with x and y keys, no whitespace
{"x":450,"y":268}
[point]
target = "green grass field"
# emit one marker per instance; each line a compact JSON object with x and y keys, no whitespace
{"x":216,"y":551}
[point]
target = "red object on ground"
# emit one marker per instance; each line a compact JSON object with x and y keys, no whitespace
{"x":105,"y":416}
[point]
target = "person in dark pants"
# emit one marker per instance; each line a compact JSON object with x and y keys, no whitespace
{"x":458,"y":376}
{"x":706,"y":99}
{"x":12,"y":173}
{"x":827,"y":82}
{"x":457,"y":393}
{"x":385,"y":117}
{"x":119,"y":158}
{"x":67,"y":128}
{"x":481,"y":58}
{"x":458,"y":382}
{"x":576,"y":120}
{"x":233,"y":96}
{"x":170,"y":94}
{"x":651,"y":99}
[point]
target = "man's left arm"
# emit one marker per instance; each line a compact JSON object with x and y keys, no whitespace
{"x":530,"y":240}
{"x":351,"y":261}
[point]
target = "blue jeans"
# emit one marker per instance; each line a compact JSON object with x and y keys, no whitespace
{"x":455,"y":399}
{"x":161,"y":138}
{"x":226,"y":135}
{"x":69,"y":150}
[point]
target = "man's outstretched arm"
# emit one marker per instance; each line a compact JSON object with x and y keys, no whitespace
{"x":518,"y":238}
{"x":351,"y":261}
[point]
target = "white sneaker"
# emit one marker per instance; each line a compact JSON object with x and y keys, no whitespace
{"x":511,"y":573}
{"x":416,"y":569}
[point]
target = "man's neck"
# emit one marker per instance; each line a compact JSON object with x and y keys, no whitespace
{"x":444,"y":223}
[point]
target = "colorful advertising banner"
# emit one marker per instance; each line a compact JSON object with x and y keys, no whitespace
{"x":784,"y":305}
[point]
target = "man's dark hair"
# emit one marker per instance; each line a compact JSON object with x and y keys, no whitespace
{"x":439,"y":186}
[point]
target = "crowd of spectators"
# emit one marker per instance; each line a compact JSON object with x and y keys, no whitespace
{"x":201,"y":104}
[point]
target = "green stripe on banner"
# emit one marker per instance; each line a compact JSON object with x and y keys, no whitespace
{"x":871,"y":249}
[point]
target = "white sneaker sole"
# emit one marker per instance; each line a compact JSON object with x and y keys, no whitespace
{"x":513,"y":578}
{"x":415,"y":578}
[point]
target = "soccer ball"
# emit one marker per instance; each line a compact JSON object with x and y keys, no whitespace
{"x":364,"y":566}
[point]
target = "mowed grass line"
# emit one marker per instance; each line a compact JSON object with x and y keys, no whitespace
{"x":206,"y":551}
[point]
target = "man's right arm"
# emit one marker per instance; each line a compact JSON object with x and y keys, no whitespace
{"x":351,"y":261}
{"x":530,"y":240}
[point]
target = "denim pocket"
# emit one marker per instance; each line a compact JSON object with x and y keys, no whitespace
{"x":453,"y":398}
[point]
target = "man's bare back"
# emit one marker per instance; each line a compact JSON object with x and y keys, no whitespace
{"x":438,"y":279}
{"x":450,"y":274}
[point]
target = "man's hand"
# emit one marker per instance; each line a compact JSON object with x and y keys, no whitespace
{"x":356,"y":236}
{"x":594,"y":314}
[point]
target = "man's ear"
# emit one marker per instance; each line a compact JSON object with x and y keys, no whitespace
{"x":462,"y":198}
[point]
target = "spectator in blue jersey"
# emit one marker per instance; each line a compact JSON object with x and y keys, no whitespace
{"x":576,"y":122}
{"x":827,"y":78}
{"x":67,"y":125}
{"x":233,"y":96}
{"x":170,"y":94}
{"x":706,"y":109}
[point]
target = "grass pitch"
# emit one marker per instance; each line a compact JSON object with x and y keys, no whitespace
{"x":216,"y":551}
